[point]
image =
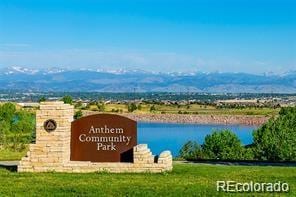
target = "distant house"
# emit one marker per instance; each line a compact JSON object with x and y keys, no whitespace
{"x":28,"y":105}
{"x":108,"y":102}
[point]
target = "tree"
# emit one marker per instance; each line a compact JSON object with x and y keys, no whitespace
{"x":7,"y":111}
{"x":67,"y":99}
{"x":191,"y":151}
{"x":139,"y":107}
{"x":223,"y":145}
{"x":101,"y":106}
{"x":276,"y":139}
{"x":42,"y":99}
{"x":21,"y":127}
{"x":4,"y":130}
{"x":131,"y":107}
{"x":152,"y":108}
{"x":17,"y":127}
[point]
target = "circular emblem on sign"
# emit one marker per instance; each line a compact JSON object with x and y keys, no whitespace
{"x":50,"y":125}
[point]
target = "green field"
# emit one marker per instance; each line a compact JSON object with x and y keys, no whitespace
{"x":185,"y":180}
{"x":191,"y":109}
{"x":9,"y":155}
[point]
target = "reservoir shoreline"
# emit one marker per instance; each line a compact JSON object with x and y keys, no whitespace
{"x":195,"y":119}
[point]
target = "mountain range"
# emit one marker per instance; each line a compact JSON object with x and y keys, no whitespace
{"x":86,"y":80}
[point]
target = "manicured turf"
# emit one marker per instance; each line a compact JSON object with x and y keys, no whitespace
{"x":185,"y":180}
{"x":8,"y":155}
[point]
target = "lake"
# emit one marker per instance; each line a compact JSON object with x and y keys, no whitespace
{"x":170,"y":136}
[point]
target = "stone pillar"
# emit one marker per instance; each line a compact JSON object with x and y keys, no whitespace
{"x":166,"y":159}
{"x":52,"y":149}
{"x":142,"y":154}
{"x":145,"y":161}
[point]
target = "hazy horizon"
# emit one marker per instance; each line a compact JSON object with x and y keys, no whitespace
{"x":158,"y":36}
{"x":34,"y":70}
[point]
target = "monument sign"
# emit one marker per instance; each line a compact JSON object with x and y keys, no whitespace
{"x":103,"y":138}
{"x":102,"y":142}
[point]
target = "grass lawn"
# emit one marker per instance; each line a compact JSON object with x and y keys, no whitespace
{"x":9,"y":155}
{"x":185,"y":180}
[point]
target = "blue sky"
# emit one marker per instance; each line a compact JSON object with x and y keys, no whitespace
{"x":253,"y":36}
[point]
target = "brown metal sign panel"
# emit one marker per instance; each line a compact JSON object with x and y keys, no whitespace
{"x":103,"y":138}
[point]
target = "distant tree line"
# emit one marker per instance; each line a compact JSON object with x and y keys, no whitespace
{"x":23,"y":96}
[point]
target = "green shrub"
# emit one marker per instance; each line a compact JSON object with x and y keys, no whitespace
{"x":152,"y":108}
{"x":67,"y":99}
{"x":17,"y":127}
{"x":78,"y":114}
{"x":191,"y":151}
{"x":139,"y":107}
{"x":248,"y":153}
{"x":101,"y":106}
{"x":220,"y":145}
{"x":4,"y":130}
{"x":223,"y":145}
{"x":131,"y":107}
{"x":23,"y":125}
{"x":114,"y":110}
{"x":276,"y":139}
{"x":7,"y":112}
{"x":42,"y":99}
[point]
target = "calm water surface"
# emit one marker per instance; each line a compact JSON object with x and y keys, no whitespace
{"x":168,"y":136}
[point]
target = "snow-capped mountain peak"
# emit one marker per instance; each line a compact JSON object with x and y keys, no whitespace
{"x":19,"y":69}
